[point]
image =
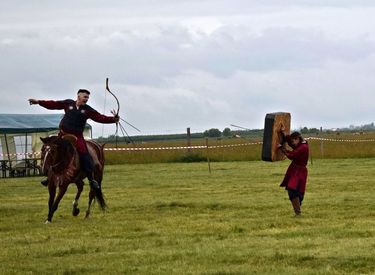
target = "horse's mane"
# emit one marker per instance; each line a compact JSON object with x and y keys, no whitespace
{"x":66,"y":151}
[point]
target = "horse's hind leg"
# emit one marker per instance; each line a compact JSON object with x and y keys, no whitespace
{"x":55,"y":205}
{"x":91,"y":198}
{"x":98,"y":192}
{"x":75,"y":210}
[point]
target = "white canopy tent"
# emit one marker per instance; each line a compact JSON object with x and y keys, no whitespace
{"x":20,"y":141}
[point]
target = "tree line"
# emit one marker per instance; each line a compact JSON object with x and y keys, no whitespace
{"x":210,"y":133}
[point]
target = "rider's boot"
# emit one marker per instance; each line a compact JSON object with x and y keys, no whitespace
{"x":94,"y":184}
{"x":87,"y":166}
{"x":44,"y":182}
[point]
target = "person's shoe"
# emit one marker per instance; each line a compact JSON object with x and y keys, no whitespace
{"x":296,"y":206}
{"x":94,"y":185}
{"x":44,"y":182}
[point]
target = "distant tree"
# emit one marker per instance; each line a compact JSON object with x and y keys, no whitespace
{"x":213,"y":132}
{"x":227,"y":132}
{"x":314,"y":130}
{"x":304,"y":130}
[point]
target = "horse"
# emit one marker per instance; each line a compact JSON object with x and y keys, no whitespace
{"x":60,"y":162}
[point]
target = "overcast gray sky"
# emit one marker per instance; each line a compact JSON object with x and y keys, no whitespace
{"x":199,"y":64}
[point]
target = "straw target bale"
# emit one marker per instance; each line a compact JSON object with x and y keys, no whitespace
{"x":272,"y":136}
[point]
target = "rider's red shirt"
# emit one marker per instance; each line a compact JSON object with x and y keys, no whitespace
{"x":74,"y":120}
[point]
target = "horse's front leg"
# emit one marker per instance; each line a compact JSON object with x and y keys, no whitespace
{"x":55,"y":205}
{"x":75,"y":210}
{"x":52,"y":194}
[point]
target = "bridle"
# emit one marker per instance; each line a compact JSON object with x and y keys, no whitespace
{"x":47,"y":152}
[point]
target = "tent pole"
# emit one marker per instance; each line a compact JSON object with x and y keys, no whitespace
{"x":25,"y":151}
{"x":10,"y":162}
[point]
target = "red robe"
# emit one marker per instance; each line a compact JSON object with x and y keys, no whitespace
{"x":296,"y":175}
{"x":74,"y":120}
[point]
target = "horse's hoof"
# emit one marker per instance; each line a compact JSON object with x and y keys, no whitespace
{"x":75,"y":212}
{"x":47,"y":222}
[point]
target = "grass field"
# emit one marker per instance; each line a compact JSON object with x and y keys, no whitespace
{"x":318,"y":150}
{"x":177,"y":219}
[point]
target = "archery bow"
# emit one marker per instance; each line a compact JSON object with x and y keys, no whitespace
{"x":118,"y":107}
{"x":118,"y":124}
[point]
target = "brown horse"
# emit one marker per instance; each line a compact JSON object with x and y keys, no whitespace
{"x":60,"y":162}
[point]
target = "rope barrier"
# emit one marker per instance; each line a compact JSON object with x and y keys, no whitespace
{"x":181,"y":147}
{"x":340,"y":140}
{"x":153,"y":148}
{"x":197,"y":146}
{"x":21,"y":154}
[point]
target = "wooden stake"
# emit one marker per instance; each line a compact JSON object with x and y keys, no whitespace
{"x":321,"y":143}
{"x":188,"y":136}
{"x":208,"y":156}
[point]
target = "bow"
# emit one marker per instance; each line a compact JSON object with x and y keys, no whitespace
{"x":118,"y":107}
{"x":118,"y":124}
{"x":118,"y":103}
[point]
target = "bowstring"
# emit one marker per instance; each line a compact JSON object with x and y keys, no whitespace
{"x":118,"y":124}
{"x":105,"y":103}
{"x":122,"y":128}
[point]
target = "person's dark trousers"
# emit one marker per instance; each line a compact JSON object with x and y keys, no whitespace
{"x":88,"y":166}
{"x":295,"y":193}
{"x":296,"y":199}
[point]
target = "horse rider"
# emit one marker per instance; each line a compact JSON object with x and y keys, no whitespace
{"x":76,"y":114}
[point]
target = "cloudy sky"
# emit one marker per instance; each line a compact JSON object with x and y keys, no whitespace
{"x":197,"y":63}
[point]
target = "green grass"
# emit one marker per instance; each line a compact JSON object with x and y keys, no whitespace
{"x":178,"y":219}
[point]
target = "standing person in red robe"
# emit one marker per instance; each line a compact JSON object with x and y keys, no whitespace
{"x":296,"y":176}
{"x":77,"y":112}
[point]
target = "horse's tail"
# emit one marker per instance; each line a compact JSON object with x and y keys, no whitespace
{"x":100,"y":198}
{"x":99,"y":152}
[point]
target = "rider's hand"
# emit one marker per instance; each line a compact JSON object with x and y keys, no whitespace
{"x":33,"y":101}
{"x":115,"y":116}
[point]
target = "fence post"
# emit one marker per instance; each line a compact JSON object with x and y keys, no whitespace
{"x":208,"y":156}
{"x":321,"y":143}
{"x":188,"y":136}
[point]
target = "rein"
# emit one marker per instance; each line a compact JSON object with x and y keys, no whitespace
{"x":57,"y":153}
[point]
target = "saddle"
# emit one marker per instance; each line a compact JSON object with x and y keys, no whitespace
{"x":69,"y":137}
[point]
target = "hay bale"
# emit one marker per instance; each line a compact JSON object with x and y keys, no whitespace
{"x":272,"y":136}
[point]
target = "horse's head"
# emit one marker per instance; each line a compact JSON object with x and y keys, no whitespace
{"x":57,"y":152}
